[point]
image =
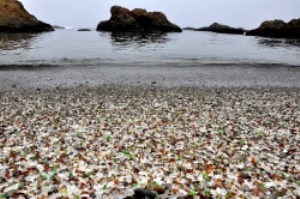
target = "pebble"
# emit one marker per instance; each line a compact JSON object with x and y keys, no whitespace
{"x":105,"y":141}
{"x":140,"y":193}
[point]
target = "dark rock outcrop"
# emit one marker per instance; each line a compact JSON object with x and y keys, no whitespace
{"x":84,"y":29}
{"x":219,"y":28}
{"x":140,"y":193}
{"x":277,"y":29}
{"x":137,"y":20}
{"x":14,"y":18}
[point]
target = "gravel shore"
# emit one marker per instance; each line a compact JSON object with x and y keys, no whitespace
{"x":173,"y":74}
{"x":188,"y":142}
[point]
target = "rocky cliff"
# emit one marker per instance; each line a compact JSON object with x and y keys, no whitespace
{"x":14,"y":18}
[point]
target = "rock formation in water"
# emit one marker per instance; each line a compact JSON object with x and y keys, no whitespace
{"x":137,"y":20}
{"x":188,"y":28}
{"x":14,"y":18}
{"x":219,"y":28}
{"x":278,"y":29}
{"x":84,"y":29}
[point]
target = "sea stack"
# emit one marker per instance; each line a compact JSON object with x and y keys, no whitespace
{"x":278,"y":29}
{"x":14,"y":18}
{"x":220,"y":28}
{"x":137,"y":20}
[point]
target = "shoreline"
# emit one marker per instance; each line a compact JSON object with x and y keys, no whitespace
{"x":105,"y":141}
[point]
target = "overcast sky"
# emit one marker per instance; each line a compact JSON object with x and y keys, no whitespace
{"x":197,"y":13}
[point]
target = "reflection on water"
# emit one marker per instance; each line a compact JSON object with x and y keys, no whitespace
{"x":16,"y":41}
{"x":65,"y":46}
{"x":138,"y":40}
{"x":280,"y":43}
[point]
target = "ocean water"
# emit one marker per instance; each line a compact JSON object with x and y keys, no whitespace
{"x":189,"y":48}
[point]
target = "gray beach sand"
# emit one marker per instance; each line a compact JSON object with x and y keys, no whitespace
{"x":101,"y":132}
{"x":40,"y":76}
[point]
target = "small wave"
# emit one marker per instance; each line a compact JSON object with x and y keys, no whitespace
{"x":48,"y":64}
{"x":10,"y":67}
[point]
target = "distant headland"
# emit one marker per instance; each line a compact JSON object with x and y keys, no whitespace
{"x":58,"y":27}
{"x":271,"y":28}
{"x":220,"y":28}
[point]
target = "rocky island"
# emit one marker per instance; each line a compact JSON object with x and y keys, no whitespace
{"x":277,"y":29}
{"x":188,"y":28}
{"x":220,"y":28}
{"x":14,"y":18}
{"x":137,"y":20}
{"x":84,"y":29}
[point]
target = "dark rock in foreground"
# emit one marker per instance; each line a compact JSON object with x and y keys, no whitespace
{"x":277,"y":29}
{"x":140,"y":193}
{"x":219,"y":28}
{"x":84,"y":29}
{"x":137,"y":20}
{"x":14,"y":18}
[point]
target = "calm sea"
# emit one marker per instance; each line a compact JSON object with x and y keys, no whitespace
{"x":189,"y":48}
